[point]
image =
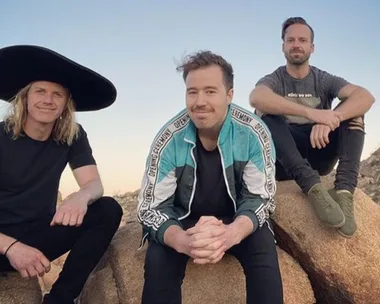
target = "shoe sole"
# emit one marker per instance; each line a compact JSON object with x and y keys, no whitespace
{"x":345,"y":235}
{"x":337,"y":225}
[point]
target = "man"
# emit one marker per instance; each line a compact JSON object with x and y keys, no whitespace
{"x":309,"y":136}
{"x":208,"y":189}
{"x":37,"y":140}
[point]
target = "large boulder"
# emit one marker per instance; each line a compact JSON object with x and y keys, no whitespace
{"x":341,"y":270}
{"x":17,"y":290}
{"x":119,"y":277}
{"x":369,"y":176}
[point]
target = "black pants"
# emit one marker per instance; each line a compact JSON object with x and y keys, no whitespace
{"x":165,"y":270}
{"x":298,"y":160}
{"x":87,"y":244}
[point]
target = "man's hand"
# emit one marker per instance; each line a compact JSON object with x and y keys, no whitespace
{"x":28,"y":261}
{"x":327,"y":117}
{"x":207,"y":240}
{"x":71,"y":211}
{"x":319,"y":136}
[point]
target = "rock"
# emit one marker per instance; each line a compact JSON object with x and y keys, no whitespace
{"x":341,"y":270}
{"x":121,"y":277}
{"x":369,"y":177}
{"x":16,"y":290}
{"x":101,"y":288}
{"x":128,"y":203}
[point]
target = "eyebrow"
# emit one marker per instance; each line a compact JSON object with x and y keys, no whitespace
{"x":205,"y":88}
{"x":299,"y":37}
{"x":55,"y":91}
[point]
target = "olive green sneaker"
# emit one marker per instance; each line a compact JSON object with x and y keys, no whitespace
{"x":327,"y":210}
{"x":346,"y":202}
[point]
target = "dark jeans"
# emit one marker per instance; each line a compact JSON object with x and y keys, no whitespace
{"x":298,"y":160}
{"x":165,"y":270}
{"x":87,"y":244}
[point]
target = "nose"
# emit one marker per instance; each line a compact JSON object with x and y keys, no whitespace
{"x":48,"y":98}
{"x":201,"y":99}
{"x":296,"y":44}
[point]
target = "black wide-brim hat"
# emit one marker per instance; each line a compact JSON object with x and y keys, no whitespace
{"x":23,"y":64}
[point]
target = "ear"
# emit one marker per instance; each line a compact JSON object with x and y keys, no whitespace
{"x":230,"y":96}
{"x":312,"y":48}
{"x":283,"y":47}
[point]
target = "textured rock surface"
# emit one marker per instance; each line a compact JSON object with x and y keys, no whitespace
{"x":121,"y":277}
{"x":369,"y":178}
{"x":341,"y":270}
{"x":16,"y":290}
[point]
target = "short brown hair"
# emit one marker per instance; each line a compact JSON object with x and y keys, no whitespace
{"x":203,"y":59}
{"x":295,"y":20}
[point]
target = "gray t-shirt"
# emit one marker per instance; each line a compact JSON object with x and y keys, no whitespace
{"x":317,"y":90}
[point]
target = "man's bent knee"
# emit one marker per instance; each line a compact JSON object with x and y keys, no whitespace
{"x":109,"y":208}
{"x":356,"y":123}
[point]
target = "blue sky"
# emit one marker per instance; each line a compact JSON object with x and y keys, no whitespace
{"x":136,"y":45}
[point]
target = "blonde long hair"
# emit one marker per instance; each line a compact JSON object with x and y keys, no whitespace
{"x":65,"y":129}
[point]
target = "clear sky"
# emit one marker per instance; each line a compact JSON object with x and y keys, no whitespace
{"x":136,"y":44}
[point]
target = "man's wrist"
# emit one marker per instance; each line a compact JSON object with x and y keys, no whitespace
{"x":240,"y":228}
{"x":307,"y":112}
{"x":84,"y":196}
{"x":172,"y":237}
{"x":234,"y":232}
{"x":6,"y":245}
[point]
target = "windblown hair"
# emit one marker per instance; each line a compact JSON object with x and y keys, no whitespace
{"x":205,"y":59}
{"x":65,"y":129}
{"x":295,"y":20}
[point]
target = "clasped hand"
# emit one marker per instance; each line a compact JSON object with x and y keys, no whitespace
{"x":209,"y":239}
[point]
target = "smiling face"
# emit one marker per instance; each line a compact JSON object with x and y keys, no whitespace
{"x":207,"y":98}
{"x":46,"y":102}
{"x":298,"y":45}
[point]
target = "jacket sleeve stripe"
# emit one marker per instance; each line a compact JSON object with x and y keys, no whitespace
{"x":150,"y":195}
{"x":268,"y":156}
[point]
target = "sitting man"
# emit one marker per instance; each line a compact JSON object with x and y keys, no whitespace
{"x":296,"y":103}
{"x":37,"y":140}
{"x":209,"y":189}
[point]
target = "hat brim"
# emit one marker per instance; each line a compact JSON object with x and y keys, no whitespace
{"x":23,"y":64}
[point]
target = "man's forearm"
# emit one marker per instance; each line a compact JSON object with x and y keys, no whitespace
{"x":268,"y":102}
{"x":356,"y":105}
{"x":172,"y":237}
{"x":91,"y":191}
{"x":5,"y":242}
{"x":241,"y":227}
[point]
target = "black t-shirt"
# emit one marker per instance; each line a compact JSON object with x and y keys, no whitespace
{"x":211,"y":197}
{"x":30,"y":173}
{"x":317,"y":90}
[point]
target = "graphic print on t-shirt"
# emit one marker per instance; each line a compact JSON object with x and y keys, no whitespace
{"x":308,"y":100}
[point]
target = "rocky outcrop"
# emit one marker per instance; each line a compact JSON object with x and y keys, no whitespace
{"x":128,"y":203}
{"x":16,"y":290}
{"x":341,"y":270}
{"x":369,"y":177}
{"x":119,"y":278}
